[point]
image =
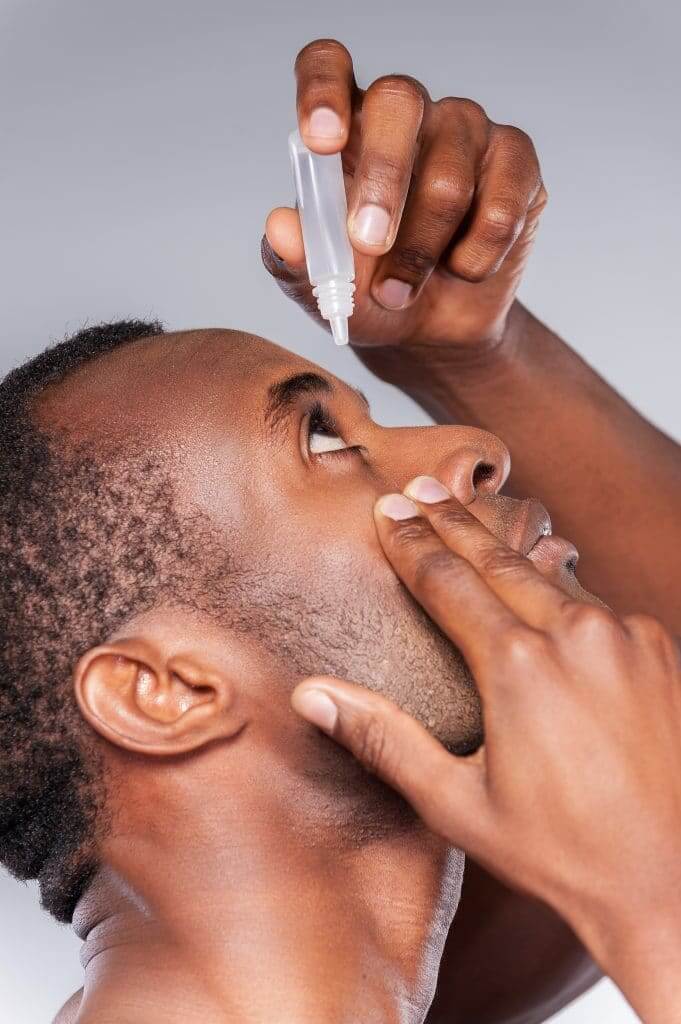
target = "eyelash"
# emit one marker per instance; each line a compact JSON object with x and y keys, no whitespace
{"x":321,"y":421}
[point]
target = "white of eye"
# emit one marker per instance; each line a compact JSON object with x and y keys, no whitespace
{"x":324,"y":443}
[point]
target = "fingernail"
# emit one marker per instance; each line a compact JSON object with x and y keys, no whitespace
{"x":325,"y":123}
{"x":426,"y":489}
{"x":393,"y":294}
{"x":317,"y":708}
{"x":396,"y":506}
{"x":370,"y":224}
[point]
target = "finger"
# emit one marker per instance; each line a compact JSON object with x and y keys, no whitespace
{"x":509,"y":183}
{"x":392,"y":112}
{"x":438,"y":201}
{"x":447,"y":792}
{"x":514,"y":579}
{"x":290,"y":276}
{"x":326,"y":88}
{"x":452,"y":592}
{"x":285,"y":235}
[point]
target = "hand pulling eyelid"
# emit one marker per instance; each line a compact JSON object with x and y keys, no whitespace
{"x":323,"y":211}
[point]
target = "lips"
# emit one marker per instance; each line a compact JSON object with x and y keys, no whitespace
{"x":525,"y":526}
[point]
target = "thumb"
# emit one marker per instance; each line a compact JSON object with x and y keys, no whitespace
{"x":447,"y":792}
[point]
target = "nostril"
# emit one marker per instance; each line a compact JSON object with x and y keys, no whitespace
{"x":483,"y":473}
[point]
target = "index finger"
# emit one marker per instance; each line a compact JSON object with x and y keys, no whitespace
{"x":325,"y":90}
{"x":512,"y":577}
{"x":444,"y":583}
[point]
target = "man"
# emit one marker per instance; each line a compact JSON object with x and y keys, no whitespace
{"x":475,"y":305}
{"x":187,"y":530}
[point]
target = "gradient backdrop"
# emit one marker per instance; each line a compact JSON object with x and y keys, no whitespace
{"x":143,"y":144}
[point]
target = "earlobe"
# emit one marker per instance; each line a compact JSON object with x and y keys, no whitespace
{"x":142,"y":700}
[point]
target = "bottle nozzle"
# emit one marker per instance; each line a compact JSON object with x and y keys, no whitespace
{"x":334,"y":298}
{"x":339,"y":329}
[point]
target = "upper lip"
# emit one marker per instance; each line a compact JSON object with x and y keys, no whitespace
{"x":533,"y":522}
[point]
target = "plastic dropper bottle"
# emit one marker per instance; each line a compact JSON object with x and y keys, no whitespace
{"x":323,"y":212}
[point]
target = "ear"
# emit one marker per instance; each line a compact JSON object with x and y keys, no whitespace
{"x":142,"y":700}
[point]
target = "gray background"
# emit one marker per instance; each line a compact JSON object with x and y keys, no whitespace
{"x":143,"y":144}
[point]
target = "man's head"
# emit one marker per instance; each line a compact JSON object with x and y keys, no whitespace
{"x":213,"y":480}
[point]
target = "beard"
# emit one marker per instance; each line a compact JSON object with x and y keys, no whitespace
{"x":342,"y":619}
{"x":369,"y":630}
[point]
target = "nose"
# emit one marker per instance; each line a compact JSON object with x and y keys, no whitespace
{"x":477,"y":467}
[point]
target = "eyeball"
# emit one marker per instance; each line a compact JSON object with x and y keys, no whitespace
{"x":320,"y":443}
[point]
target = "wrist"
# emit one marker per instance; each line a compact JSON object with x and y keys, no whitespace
{"x":437,"y":374}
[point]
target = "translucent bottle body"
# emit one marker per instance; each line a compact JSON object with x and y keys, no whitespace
{"x":323,"y":211}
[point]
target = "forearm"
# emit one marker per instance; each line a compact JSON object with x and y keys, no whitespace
{"x":611,"y":481}
{"x":641,"y":953}
{"x":508,"y":958}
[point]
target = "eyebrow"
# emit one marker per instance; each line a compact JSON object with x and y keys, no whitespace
{"x":284,"y":393}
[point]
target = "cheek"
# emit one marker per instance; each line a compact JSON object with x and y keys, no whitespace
{"x":327,"y":529}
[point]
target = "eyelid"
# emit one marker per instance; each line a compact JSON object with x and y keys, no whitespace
{"x":323,"y":413}
{"x":321,"y":418}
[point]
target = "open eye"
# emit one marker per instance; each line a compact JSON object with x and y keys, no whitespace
{"x":320,"y":442}
{"x":322,"y":433}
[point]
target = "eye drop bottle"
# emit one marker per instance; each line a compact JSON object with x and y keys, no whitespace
{"x":323,"y":211}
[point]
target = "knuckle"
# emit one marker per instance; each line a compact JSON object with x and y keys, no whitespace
{"x":319,"y":51}
{"x":448,"y":198}
{"x":416,"y":261}
{"x":500,"y":222}
{"x":409,"y":535}
{"x":472,"y":269}
{"x":470,"y":109}
{"x":432,"y":567}
{"x":403,"y":88}
{"x":515,"y":138}
{"x":649,"y":629}
{"x":498,"y":562}
{"x":591,"y":623}
{"x":371,"y":744}
{"x":449,"y":105}
{"x":523,"y":647}
{"x":450,"y":517}
{"x":639,"y":622}
{"x":378,"y":170}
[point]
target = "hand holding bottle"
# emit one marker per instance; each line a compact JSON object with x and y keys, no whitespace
{"x":443,"y":205}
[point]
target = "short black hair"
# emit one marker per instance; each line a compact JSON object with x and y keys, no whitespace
{"x":85,"y":543}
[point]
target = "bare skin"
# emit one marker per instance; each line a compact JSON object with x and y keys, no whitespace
{"x":215,"y":902}
{"x":460,"y":330}
{"x":287,"y":861}
{"x":585,"y":813}
{"x":464,"y":197}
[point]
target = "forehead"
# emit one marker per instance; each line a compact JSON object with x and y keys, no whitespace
{"x":173,"y":381}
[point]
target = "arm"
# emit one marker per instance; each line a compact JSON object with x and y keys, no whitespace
{"x":575,"y":797}
{"x":460,"y":232}
{"x":611,"y":481}
{"x":508,"y":958}
{"x":613,"y":484}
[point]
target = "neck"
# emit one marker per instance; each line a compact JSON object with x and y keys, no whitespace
{"x":269,"y":930}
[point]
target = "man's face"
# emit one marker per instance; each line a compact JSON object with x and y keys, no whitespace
{"x":287,"y":463}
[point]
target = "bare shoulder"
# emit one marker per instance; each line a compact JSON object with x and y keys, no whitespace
{"x":69,"y":1011}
